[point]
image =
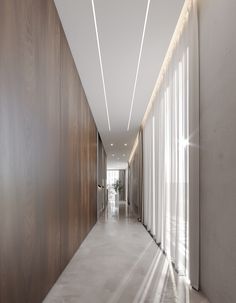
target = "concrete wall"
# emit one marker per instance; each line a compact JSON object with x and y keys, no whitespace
{"x":217,"y":23}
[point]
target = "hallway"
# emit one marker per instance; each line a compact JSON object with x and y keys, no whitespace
{"x":117,"y":151}
{"x":134,"y":269}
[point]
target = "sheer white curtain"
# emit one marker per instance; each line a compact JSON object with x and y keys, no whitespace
{"x":170,"y":138}
{"x":148,"y":175}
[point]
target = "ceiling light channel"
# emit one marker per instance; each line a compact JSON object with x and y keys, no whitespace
{"x":139,"y":59}
{"x":101,"y":66}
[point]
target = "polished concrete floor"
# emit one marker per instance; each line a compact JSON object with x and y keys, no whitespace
{"x":119,"y":262}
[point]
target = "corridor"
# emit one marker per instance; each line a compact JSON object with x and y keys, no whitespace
{"x":117,"y":151}
{"x":120,"y":262}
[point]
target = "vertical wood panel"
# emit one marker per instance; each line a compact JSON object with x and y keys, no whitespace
{"x":102,"y":176}
{"x":47,"y":152}
{"x":70,"y":108}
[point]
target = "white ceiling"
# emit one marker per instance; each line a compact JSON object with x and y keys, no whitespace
{"x":120,"y":25}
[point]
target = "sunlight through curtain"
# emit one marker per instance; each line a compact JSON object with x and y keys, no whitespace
{"x":170,"y":148}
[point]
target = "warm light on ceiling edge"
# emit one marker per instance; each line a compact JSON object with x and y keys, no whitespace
{"x":139,"y":59}
{"x":101,"y":66}
{"x":174,"y":39}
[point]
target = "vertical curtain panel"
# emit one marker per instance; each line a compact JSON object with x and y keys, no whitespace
{"x":122,"y":179}
{"x":170,"y":152}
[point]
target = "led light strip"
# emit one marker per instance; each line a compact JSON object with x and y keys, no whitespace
{"x":139,"y":59}
{"x":101,"y":66}
{"x":174,"y":40}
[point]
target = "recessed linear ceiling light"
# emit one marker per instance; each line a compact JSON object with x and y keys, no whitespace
{"x":112,"y":144}
{"x":101,"y":66}
{"x":139,"y":59}
{"x":125,"y":144}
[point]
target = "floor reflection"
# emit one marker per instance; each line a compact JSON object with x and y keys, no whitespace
{"x":116,"y":209}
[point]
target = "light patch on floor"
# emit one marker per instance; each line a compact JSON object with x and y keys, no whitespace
{"x":119,"y":262}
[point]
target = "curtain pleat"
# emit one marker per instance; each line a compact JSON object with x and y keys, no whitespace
{"x":170,"y":155}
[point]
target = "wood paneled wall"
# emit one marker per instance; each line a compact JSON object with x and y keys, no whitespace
{"x":48,"y":152}
{"x":135,"y":179}
{"x":102,"y":177}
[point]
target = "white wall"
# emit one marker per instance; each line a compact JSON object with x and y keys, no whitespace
{"x":217,"y":22}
